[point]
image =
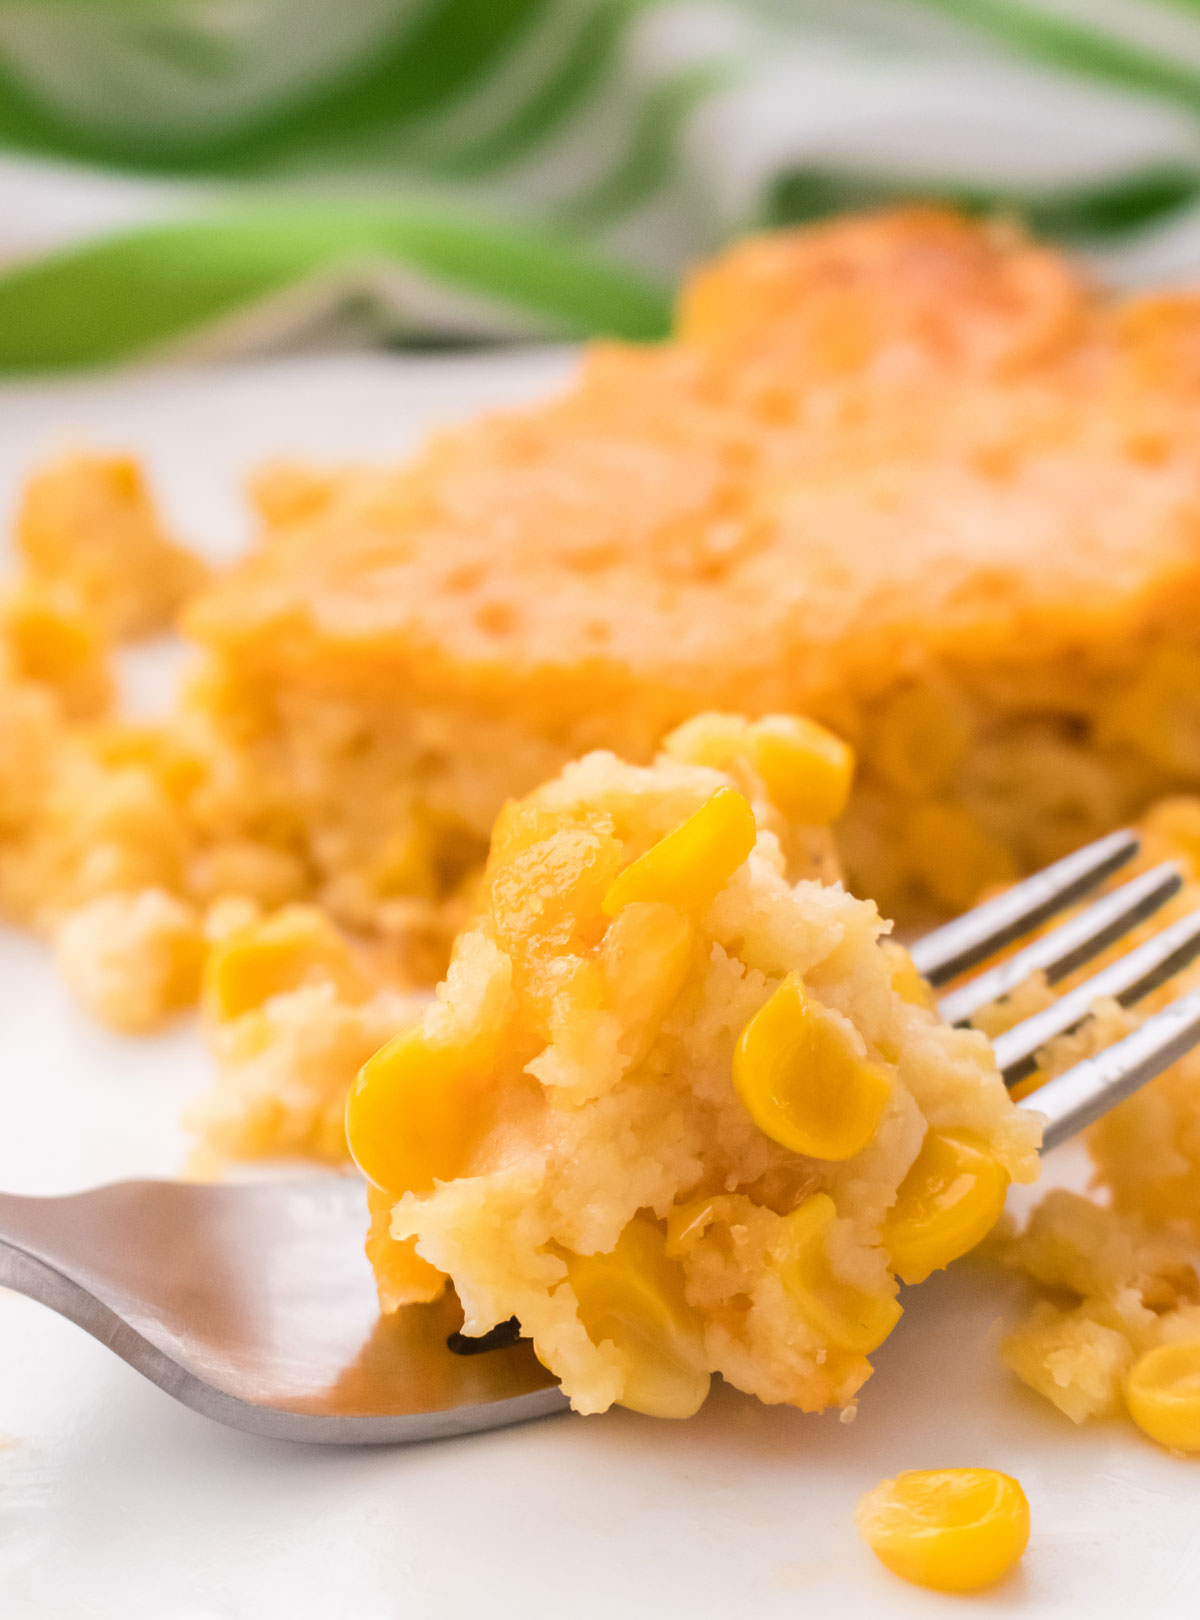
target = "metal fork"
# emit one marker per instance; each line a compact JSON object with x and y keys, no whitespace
{"x":254,"y":1304}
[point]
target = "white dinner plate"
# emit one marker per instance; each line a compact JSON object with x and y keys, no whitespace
{"x":115,"y":1504}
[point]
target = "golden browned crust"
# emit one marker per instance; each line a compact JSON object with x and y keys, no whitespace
{"x":888,"y":440}
{"x":905,"y":473}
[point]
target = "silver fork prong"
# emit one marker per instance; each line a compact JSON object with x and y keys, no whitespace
{"x":977,"y":934}
{"x":1079,"y":1095}
{"x":1070,"y":945}
{"x":1128,"y":979}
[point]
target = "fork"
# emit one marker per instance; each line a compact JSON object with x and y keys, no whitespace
{"x":254,"y":1304}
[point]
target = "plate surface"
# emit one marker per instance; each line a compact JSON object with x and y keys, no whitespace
{"x":116,"y":1503}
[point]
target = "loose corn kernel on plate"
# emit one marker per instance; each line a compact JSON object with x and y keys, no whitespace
{"x":115,"y":1501}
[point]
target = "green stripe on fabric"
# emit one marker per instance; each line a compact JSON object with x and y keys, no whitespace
{"x":1076,"y":47}
{"x":125,"y":296}
{"x":650,"y":154}
{"x":431,"y":62}
{"x":583,"y":68}
{"x":1096,"y":212}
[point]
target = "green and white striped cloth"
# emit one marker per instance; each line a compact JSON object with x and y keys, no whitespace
{"x":212,"y":177}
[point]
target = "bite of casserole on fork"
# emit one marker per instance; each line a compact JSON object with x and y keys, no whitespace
{"x":680,"y":1106}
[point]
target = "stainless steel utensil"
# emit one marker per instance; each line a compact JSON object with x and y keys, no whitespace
{"x":255,"y":1305}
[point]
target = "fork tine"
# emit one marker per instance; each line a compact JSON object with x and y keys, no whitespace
{"x":977,"y":934}
{"x":1128,"y":979}
{"x":1071,"y":944}
{"x":1089,"y":1089}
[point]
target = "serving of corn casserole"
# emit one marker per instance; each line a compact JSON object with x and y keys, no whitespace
{"x":679,"y":1106}
{"x":906,"y":474}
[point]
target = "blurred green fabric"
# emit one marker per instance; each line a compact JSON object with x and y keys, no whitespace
{"x":203,"y":178}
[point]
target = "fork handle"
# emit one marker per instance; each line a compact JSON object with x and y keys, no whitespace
{"x":41,"y":1257}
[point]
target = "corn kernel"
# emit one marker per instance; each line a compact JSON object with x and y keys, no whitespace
{"x":713,"y":739}
{"x":412,"y":1113}
{"x":644,"y":960}
{"x":1162,"y":1393}
{"x":952,"y":1529}
{"x":848,"y":1317}
{"x":801,"y":1080}
{"x":807,"y":770}
{"x":634,"y":1298}
{"x":948,"y":1202}
{"x":690,"y":866}
{"x":295,"y":946}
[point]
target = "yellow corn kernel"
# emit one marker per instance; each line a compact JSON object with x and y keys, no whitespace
{"x":412,"y":1113}
{"x":948,"y":1202}
{"x":802,"y":1082}
{"x":848,"y":1317}
{"x":807,"y":770}
{"x":717,"y":740}
{"x":644,"y":960}
{"x":633,"y":1297}
{"x":1162,"y":1394}
{"x":690,"y":866}
{"x":952,"y":1529}
{"x":295,"y":946}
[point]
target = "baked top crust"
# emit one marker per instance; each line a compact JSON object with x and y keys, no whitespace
{"x":894,"y":440}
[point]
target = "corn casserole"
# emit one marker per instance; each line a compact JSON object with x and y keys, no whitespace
{"x":679,"y":1106}
{"x":907,"y":474}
